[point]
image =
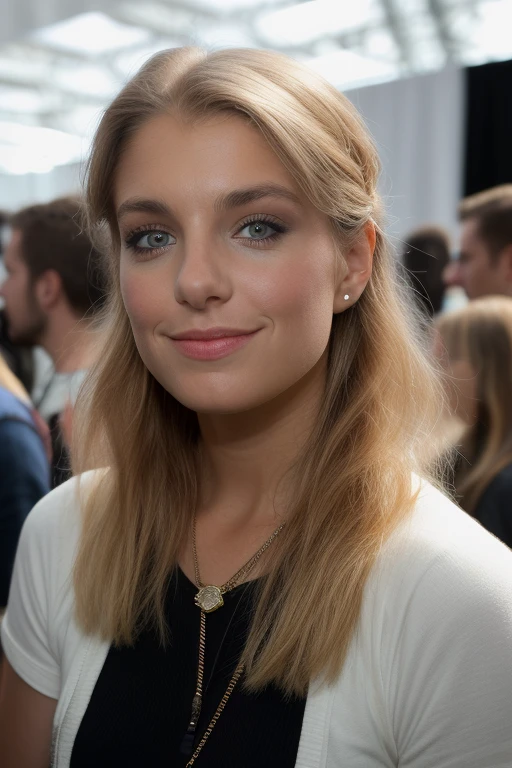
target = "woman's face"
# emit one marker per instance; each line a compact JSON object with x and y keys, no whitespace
{"x":228,"y":273}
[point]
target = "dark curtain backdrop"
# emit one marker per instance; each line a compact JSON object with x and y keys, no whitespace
{"x":488,"y":152}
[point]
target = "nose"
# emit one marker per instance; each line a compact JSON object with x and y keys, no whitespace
{"x":204,"y":276}
{"x":452,"y":275}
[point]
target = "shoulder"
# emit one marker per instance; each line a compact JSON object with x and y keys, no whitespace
{"x":441,"y":562}
{"x":432,"y":653}
{"x":12,"y":407}
{"x":440,"y":592}
{"x":55,"y":521}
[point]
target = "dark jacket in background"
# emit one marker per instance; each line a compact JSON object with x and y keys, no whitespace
{"x":24,"y":478}
{"x":494,"y":510}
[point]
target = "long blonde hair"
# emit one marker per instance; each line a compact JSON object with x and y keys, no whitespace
{"x":353,"y":481}
{"x":481,"y":334}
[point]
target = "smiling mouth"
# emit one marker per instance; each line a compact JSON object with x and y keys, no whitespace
{"x":212,"y":344}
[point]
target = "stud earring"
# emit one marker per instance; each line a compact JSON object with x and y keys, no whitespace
{"x":346,"y":297}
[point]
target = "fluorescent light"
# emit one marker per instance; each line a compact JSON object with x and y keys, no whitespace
{"x":308,"y":21}
{"x":90,"y":80}
{"x":492,"y":38}
{"x":28,"y":149}
{"x":90,"y":33}
{"x":228,"y":6}
{"x":345,"y":69}
{"x":22,"y":100}
{"x":225,"y":36}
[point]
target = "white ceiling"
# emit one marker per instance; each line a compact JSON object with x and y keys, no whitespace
{"x":61,"y":62}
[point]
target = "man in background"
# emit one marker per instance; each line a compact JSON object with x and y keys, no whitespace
{"x":485,"y":263}
{"x":53,"y":288}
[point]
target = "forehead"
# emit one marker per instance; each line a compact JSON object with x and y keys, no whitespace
{"x":170,"y":156}
{"x":470,"y":234}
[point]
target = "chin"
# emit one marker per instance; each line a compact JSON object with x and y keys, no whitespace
{"x":222,"y":397}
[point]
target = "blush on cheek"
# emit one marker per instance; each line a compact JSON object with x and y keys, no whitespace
{"x":138,"y":300}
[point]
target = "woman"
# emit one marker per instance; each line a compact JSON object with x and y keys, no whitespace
{"x":258,"y":580}
{"x":24,"y":467}
{"x":476,"y":345}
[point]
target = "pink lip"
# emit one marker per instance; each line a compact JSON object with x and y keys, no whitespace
{"x":211,"y":344}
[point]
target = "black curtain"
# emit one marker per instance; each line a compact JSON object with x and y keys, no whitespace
{"x":488,"y":159}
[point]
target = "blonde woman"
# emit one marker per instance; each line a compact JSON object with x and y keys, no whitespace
{"x":476,"y":348}
{"x":255,"y":578}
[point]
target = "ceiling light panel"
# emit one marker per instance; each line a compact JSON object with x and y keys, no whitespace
{"x":309,"y":21}
{"x":228,"y":7}
{"x":90,"y":34}
{"x":345,"y":69}
{"x":89,"y":80}
{"x":28,"y":149}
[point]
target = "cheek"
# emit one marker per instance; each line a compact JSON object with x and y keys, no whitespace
{"x":299,"y":301}
{"x":143,"y":297}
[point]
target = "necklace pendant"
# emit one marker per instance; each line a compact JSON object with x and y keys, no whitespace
{"x":209,"y":598}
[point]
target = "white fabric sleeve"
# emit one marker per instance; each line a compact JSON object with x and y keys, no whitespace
{"x":448,"y":676}
{"x":27,"y":626}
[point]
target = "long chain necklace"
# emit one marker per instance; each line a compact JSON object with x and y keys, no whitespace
{"x":208,"y":599}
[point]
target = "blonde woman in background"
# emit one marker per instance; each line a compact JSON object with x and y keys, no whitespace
{"x":255,"y":578}
{"x":476,"y":348}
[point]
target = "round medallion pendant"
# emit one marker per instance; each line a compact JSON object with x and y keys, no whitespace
{"x":209,"y":599}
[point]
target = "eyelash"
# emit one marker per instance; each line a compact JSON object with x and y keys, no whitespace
{"x":280,"y":229}
{"x":134,"y":236}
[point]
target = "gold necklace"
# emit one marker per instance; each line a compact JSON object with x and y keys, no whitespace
{"x":208,"y":599}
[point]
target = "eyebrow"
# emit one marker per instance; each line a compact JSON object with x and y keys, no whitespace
{"x":240,"y":197}
{"x":234,"y":199}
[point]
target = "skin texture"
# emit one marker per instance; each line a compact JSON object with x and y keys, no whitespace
{"x":256,"y":405}
{"x":26,"y":718}
{"x":476,"y":271}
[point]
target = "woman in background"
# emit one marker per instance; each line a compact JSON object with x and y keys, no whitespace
{"x":475,"y":344}
{"x":256,"y":578}
{"x":24,"y":467}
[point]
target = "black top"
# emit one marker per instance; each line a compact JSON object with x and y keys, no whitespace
{"x":141,"y":705}
{"x":494,"y":510}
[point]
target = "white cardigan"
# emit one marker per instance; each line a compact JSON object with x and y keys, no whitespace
{"x":428,"y":678}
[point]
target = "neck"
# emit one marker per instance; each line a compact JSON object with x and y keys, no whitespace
{"x":247,"y":456}
{"x":70,"y":343}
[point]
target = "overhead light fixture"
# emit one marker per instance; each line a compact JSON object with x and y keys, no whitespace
{"x":308,"y":21}
{"x":345,"y":69}
{"x":90,"y":34}
{"x":30,"y":149}
{"x":90,"y":80}
{"x":23,"y":100}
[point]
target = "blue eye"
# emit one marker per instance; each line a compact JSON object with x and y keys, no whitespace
{"x":257,"y":230}
{"x":260,"y":230}
{"x":151,"y":240}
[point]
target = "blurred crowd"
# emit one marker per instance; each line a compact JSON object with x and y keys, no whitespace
{"x":55,"y":287}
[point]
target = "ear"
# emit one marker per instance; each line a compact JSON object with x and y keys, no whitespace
{"x":352,"y":280}
{"x":48,"y":289}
